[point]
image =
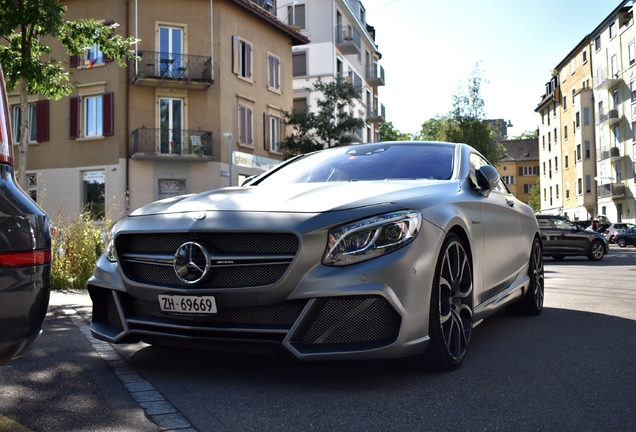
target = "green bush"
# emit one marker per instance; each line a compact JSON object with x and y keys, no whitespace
{"x":76,"y":244}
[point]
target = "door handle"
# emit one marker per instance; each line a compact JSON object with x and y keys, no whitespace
{"x":511,"y":203}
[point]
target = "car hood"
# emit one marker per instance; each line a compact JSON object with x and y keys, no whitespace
{"x":299,"y":197}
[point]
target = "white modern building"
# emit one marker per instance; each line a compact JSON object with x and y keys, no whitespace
{"x":342,"y":44}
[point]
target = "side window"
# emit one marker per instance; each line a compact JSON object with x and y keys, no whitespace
{"x":477,"y":162}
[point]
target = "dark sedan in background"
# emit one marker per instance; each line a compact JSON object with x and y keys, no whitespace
{"x":625,"y":237}
{"x":562,"y":238}
{"x":25,"y":254}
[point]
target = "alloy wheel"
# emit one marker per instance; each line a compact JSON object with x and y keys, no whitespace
{"x":537,"y":274}
{"x":455,"y":300}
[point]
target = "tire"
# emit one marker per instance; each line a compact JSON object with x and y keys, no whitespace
{"x":621,"y":242}
{"x":451,"y":310}
{"x":596,"y":251}
{"x":532,"y":301}
{"x":612,"y":239}
{"x":558,"y":257}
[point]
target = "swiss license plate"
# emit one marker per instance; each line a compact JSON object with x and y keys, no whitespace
{"x":187,"y":304}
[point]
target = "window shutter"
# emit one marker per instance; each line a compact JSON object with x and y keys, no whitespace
{"x":107,"y":112}
{"x":112,"y":33}
{"x":266,"y":127}
{"x":277,"y":72}
{"x":74,"y":61}
{"x":74,"y":117}
{"x":235,"y":54}
{"x":283,"y":131}
{"x":250,"y":138}
{"x":242,"y":124}
{"x":248,"y":60}
{"x":42,"y":116}
{"x":520,"y":171}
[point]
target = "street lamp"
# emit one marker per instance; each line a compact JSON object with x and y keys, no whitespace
{"x":229,"y":155}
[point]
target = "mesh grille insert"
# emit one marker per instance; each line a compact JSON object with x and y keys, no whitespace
{"x":352,"y":320}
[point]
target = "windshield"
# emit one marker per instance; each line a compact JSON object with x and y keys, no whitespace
{"x":378,"y":161}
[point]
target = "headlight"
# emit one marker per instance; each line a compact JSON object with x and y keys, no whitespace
{"x":110,"y":247}
{"x":372,"y":237}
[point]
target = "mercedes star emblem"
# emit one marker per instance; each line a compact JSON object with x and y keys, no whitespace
{"x":191,"y":262}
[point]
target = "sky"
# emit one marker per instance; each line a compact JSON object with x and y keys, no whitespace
{"x":429,"y":48}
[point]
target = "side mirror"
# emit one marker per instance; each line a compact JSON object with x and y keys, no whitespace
{"x":487,"y":178}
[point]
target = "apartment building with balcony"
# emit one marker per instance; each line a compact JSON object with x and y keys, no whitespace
{"x":613,"y":57}
{"x":519,"y":167}
{"x":342,"y":45}
{"x":576,"y":129}
{"x":200,"y":109}
{"x":550,"y":145}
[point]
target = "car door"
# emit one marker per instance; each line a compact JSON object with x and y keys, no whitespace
{"x":501,"y":220}
{"x":569,"y":238}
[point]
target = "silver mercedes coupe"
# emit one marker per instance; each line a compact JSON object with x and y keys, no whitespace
{"x":380,"y":250}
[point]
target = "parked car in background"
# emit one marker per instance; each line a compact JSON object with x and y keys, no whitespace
{"x":626,"y":237}
{"x":377,"y":250}
{"x":563,"y":238}
{"x":611,"y":231}
{"x":25,"y":254}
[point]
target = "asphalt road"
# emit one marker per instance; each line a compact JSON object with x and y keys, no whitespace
{"x":571,"y":368}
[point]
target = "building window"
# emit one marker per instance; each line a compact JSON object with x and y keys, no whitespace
{"x":617,"y":135}
{"x":246,"y":136}
{"x":556,"y":165}
{"x":32,"y":180}
{"x":528,"y":188}
{"x":631,"y":53}
{"x":567,"y":161}
{"x":586,"y":116}
{"x":273,"y":72}
{"x":578,"y":152}
{"x":556,"y":191}
{"x":573,"y":65}
{"x":543,"y":140}
{"x":273,"y":132}
{"x":580,"y":186}
{"x":565,"y":131}
{"x":296,"y":14}
{"x":93,"y":55}
{"x":94,"y":113}
{"x":597,"y":43}
{"x":241,"y":57}
{"x":550,"y":168}
{"x":588,"y":184}
{"x":567,"y":190}
{"x":31,"y":122}
{"x":577,"y":119}
{"x":509,"y":180}
{"x":171,"y":121}
{"x":544,"y":172}
{"x":587,"y":149}
{"x":299,"y":64}
{"x":529,"y":171}
{"x":584,"y":56}
{"x":300,"y":104}
{"x":94,"y":192}
{"x":612,"y":29}
{"x":171,"y":62}
{"x":555,"y":136}
{"x":565,"y":103}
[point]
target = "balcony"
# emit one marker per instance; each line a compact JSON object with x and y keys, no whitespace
{"x":375,"y":116}
{"x":348,"y":41}
{"x":610,"y":190}
{"x":611,"y":153}
{"x":160,"y":69}
{"x":610,"y":116}
{"x":605,"y":80}
{"x":373,"y":78}
{"x":172,"y":145}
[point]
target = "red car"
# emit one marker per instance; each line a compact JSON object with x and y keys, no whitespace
{"x":25,"y":254}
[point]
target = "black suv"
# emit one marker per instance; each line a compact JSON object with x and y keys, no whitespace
{"x":25,"y":254}
{"x":562,"y":238}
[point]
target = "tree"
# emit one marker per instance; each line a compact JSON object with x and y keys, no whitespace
{"x":329,"y":126}
{"x":466,"y":121}
{"x":389,"y":133}
{"x":527,"y":135}
{"x":535,"y":197}
{"x":27,"y":60}
{"x":432,"y":128}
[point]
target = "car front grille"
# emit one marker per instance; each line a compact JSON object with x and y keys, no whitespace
{"x":248,"y":259}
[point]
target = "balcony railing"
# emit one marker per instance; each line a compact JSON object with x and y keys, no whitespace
{"x":374,"y":116}
{"x":604,"y":79}
{"x":612,"y":153}
{"x":610,"y":190}
{"x":348,"y":40}
{"x":373,"y":77}
{"x":611,"y":116}
{"x":173,"y":144}
{"x":173,"y":70}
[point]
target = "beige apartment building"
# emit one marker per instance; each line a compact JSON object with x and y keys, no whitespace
{"x":588,"y":119}
{"x":200,"y":109}
{"x":519,"y":167}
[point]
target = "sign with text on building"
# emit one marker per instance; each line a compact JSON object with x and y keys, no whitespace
{"x":251,"y":161}
{"x":171,"y":187}
{"x":94,"y":176}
